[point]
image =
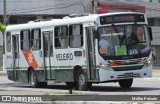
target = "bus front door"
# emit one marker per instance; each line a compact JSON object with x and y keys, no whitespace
{"x":15,"y":50}
{"x":48,"y":54}
{"x":90,"y":46}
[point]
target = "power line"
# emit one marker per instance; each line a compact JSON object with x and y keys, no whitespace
{"x":63,"y":6}
{"x":31,"y":0}
{"x":51,"y":6}
{"x":81,"y":2}
{"x":48,"y":9}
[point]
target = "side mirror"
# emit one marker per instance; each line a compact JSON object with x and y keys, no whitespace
{"x":96,"y":34}
{"x":150,"y":33}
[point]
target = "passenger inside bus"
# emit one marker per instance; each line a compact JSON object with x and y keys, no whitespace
{"x":105,"y":47}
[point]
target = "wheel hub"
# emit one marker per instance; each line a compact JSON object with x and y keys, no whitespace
{"x":33,"y":79}
{"x":81,"y":79}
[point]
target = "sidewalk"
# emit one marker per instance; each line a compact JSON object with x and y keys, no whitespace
{"x":156,"y":73}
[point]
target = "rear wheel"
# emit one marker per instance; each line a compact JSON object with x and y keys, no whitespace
{"x":82,"y":83}
{"x":126,"y":83}
{"x":34,"y":81}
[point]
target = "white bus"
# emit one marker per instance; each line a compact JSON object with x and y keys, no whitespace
{"x":80,"y":50}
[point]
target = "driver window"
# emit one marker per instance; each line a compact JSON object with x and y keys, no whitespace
{"x":140,"y":33}
{"x":105,"y":42}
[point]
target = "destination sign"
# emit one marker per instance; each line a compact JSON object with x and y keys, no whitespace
{"x":121,"y":18}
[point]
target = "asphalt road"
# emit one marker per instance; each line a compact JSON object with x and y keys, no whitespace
{"x":143,"y":86}
{"x":146,"y":86}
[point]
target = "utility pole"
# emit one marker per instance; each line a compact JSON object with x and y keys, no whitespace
{"x":95,"y":6}
{"x":5,"y":22}
{"x":4,"y":12}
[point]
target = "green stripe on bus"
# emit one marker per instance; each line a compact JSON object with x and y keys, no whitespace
{"x":46,"y":67}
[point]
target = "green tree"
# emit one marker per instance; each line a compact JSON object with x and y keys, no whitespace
{"x":2,"y":27}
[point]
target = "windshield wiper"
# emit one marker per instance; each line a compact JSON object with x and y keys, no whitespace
{"x":122,"y":39}
{"x":134,"y":37}
{"x":119,"y":37}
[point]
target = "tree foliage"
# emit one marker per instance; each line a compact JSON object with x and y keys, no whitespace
{"x":2,"y":27}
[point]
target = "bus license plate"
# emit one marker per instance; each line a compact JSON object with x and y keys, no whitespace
{"x":128,"y":74}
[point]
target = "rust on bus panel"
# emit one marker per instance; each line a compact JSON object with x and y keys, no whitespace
{"x":30,"y":59}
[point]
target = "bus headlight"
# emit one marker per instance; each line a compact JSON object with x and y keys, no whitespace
{"x":149,"y":62}
{"x":103,"y":66}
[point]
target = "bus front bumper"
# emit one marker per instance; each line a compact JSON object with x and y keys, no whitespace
{"x":109,"y":75}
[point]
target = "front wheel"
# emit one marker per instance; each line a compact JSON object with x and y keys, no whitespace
{"x":126,"y":83}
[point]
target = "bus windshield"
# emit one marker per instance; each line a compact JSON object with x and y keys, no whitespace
{"x":124,"y":41}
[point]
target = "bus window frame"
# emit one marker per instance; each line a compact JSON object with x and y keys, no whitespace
{"x":32,"y":39}
{"x":7,"y":42}
{"x":21,"y":40}
{"x":57,"y":37}
{"x":81,"y":35}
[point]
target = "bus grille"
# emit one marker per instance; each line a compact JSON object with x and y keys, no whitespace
{"x":127,"y":68}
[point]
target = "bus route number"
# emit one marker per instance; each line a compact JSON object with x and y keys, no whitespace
{"x":133,"y":52}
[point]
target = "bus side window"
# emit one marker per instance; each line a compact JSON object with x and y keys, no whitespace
{"x":76,"y":36}
{"x":61,"y":37}
{"x":25,"y":38}
{"x":36,"y":39}
{"x":8,"y":41}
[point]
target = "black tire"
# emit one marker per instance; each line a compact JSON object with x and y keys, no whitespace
{"x":71,"y":85}
{"x":81,"y":80}
{"x":33,"y":79}
{"x":34,"y":82}
{"x":126,"y":83}
{"x":42,"y":84}
{"x":89,"y":85}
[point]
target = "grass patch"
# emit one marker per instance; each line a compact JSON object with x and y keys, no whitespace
{"x":140,"y":102}
{"x":1,"y":68}
{"x":3,"y":74}
{"x":157,"y":71}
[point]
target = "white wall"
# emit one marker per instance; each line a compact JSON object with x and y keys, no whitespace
{"x":156,"y":36}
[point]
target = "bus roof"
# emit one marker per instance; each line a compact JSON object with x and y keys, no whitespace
{"x":64,"y":21}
